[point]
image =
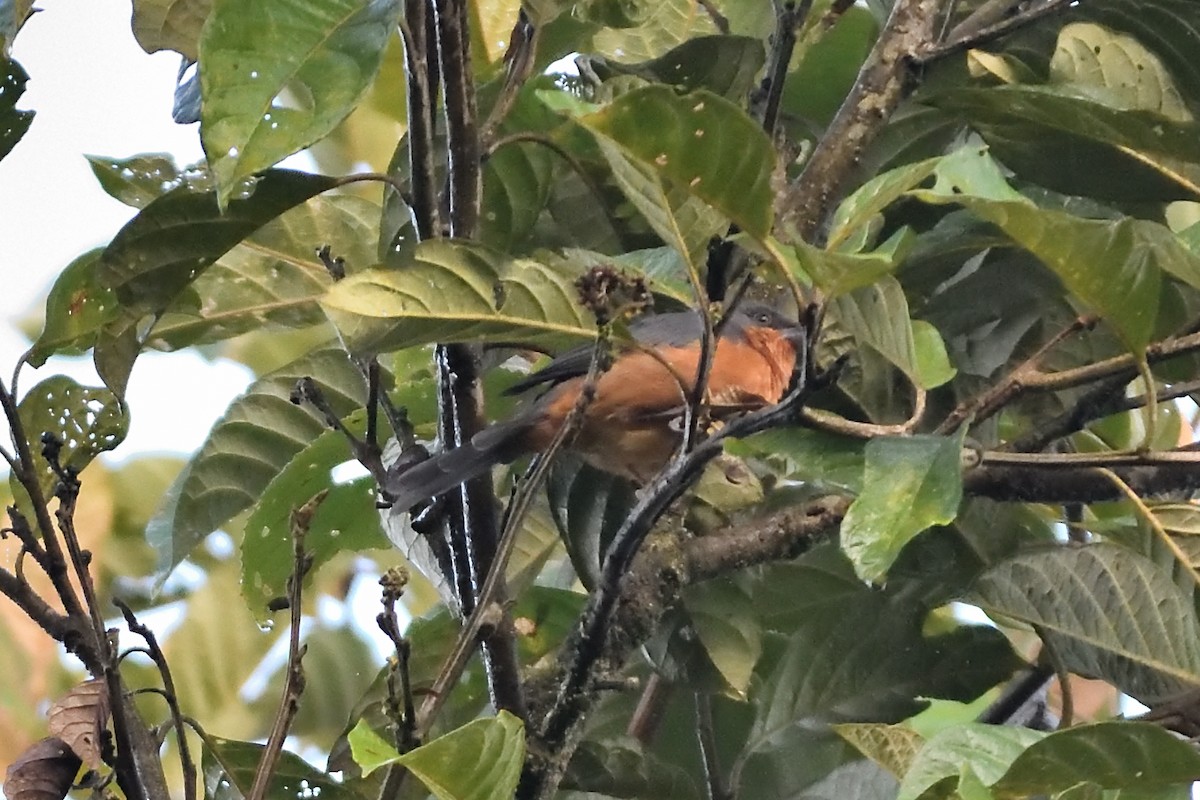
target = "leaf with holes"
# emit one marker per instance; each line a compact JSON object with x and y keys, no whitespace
{"x":456,"y":291}
{"x":699,"y":141}
{"x":13,"y":122}
{"x":86,"y":420}
{"x":140,"y":180}
{"x":76,"y":309}
{"x":260,"y":433}
{"x":479,"y":761}
{"x":1108,"y":613}
{"x":277,"y":75}
{"x":346,"y":521}
{"x":273,"y":278}
{"x":180,"y":234}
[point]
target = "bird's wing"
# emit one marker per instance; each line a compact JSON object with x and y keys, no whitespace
{"x":673,"y":329}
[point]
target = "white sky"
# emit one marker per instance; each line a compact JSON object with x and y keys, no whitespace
{"x":97,"y":93}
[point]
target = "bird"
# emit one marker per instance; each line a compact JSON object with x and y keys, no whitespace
{"x":631,"y":427}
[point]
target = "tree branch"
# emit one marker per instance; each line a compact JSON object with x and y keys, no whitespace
{"x":474,"y":525}
{"x":988,"y":23}
{"x":885,"y":79}
{"x":652,"y":586}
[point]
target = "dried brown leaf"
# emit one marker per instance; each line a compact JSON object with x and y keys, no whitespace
{"x":79,"y":718}
{"x":43,"y":772}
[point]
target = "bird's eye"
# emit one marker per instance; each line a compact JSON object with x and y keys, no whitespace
{"x":764,"y":318}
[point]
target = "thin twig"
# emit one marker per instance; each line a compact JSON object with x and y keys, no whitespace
{"x":823,"y":420}
{"x":706,"y":736}
{"x":983,"y":405}
{"x":519,"y":59}
{"x":293,"y":684}
{"x":647,"y":715}
{"x":186,"y":763}
{"x":1051,"y":655}
{"x":26,"y":473}
{"x":996,"y":458}
{"x":965,"y":39}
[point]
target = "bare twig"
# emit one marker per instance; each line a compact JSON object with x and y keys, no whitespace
{"x":186,"y":763}
{"x":980,"y":29}
{"x":647,"y":715}
{"x":293,"y":684}
{"x":522,"y":47}
{"x":706,"y":735}
{"x":56,"y":561}
{"x":982,"y":406}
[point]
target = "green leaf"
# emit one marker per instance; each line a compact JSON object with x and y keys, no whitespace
{"x":621,"y":767}
{"x":13,"y":122}
{"x":170,"y":25}
{"x":260,"y":433}
{"x":1127,"y":75}
{"x":893,"y":747}
{"x":228,"y":768}
{"x":809,"y":455}
{"x":1112,"y":755}
{"x":277,"y":75}
{"x":273,"y":278}
{"x":589,"y":507}
{"x":76,"y":309}
{"x":722,"y":615}
{"x":87,"y":421}
{"x":830,"y":672}
{"x":700,"y":141}
{"x":1146,"y":156}
{"x":177,"y":236}
{"x":870,"y":199}
{"x":140,"y":180}
{"x":989,"y":750}
{"x":346,"y":521}
{"x":1114,"y":266}
{"x":877,"y":317}
{"x":666,"y":24}
{"x":455,"y":291}
{"x":724,"y":65}
{"x":838,"y":273}
{"x":480,"y":761}
{"x":910,"y":484}
{"x":1166,"y":27}
{"x":1108,"y":612}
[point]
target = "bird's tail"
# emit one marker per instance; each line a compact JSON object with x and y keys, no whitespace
{"x":495,"y":444}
